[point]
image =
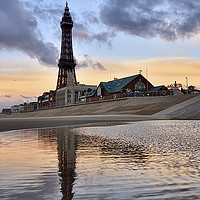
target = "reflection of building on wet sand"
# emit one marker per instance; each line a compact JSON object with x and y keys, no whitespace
{"x":66,"y":147}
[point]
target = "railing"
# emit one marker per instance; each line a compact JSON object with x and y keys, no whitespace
{"x":118,"y":96}
{"x":110,"y":97}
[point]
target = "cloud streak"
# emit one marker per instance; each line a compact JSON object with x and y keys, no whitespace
{"x":19,"y":30}
{"x":27,"y":97}
{"x":6,"y":96}
{"x":88,"y":62}
{"x":167,"y":19}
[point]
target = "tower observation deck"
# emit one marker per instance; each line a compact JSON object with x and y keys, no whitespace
{"x":66,"y":62}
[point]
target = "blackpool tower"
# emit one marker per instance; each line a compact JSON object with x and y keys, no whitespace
{"x":66,"y":62}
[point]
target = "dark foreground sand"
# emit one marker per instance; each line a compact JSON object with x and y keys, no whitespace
{"x":7,"y":124}
{"x":107,"y":113}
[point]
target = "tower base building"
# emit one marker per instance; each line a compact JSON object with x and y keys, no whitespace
{"x":73,"y":93}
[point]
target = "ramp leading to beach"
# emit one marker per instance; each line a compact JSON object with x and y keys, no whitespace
{"x":189,"y":109}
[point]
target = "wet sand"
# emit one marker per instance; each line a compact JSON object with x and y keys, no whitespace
{"x":7,"y":124}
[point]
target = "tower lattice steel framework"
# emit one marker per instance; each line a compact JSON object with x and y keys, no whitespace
{"x":66,"y":62}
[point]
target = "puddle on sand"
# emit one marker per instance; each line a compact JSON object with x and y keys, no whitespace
{"x":142,"y":160}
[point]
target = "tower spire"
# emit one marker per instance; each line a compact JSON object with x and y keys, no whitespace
{"x":66,"y":62}
{"x":67,"y":9}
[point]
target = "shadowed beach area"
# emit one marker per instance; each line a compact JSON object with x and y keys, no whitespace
{"x":107,"y":113}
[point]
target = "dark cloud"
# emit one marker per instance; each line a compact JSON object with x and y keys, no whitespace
{"x":50,"y":12}
{"x":19,"y":30}
{"x":99,"y":66}
{"x":90,"y":17}
{"x":82,"y":33}
{"x":82,"y":24}
{"x":86,"y":29}
{"x":104,"y":37}
{"x":168,"y":19}
{"x":88,"y":62}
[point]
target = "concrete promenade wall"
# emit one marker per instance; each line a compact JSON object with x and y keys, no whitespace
{"x":130,"y":105}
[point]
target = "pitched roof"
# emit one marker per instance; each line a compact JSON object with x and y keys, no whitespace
{"x":155,"y":89}
{"x":92,"y":94}
{"x":119,"y":84}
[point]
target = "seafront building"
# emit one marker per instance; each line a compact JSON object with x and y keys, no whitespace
{"x":47,"y":100}
{"x":129,"y":86}
{"x":136,"y":85}
{"x":24,"y":107}
{"x":159,"y":91}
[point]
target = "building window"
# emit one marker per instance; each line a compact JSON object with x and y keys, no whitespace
{"x":99,"y":91}
{"x":140,"y":88}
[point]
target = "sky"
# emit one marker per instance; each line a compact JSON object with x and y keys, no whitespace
{"x":111,"y":39}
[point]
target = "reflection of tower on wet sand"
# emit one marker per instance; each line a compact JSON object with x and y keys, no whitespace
{"x":64,"y":143}
{"x":67,"y":157}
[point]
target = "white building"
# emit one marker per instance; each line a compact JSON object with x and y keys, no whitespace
{"x":73,"y":93}
{"x":15,"y":109}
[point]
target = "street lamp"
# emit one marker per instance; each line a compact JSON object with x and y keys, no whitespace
{"x":186,"y":79}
